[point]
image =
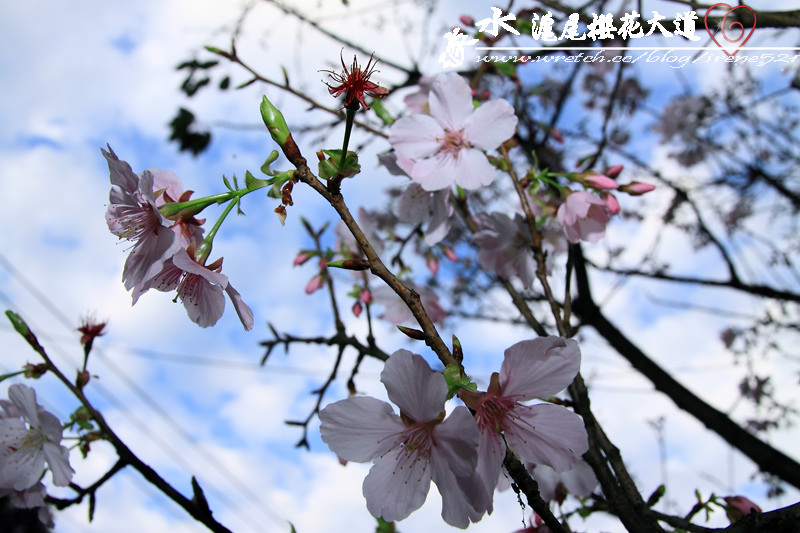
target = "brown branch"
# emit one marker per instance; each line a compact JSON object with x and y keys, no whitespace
{"x":765,"y":456}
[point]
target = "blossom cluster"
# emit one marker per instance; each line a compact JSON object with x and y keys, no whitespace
{"x":462,"y":453}
{"x":164,"y":255}
{"x":30,"y":444}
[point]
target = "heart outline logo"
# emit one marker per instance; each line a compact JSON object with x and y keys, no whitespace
{"x":736,"y":24}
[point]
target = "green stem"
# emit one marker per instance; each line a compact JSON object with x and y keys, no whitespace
{"x":350,"y":115}
{"x":173,"y":208}
{"x":203,"y":251}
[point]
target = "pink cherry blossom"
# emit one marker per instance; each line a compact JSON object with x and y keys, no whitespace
{"x":583,"y":216}
{"x":542,"y":434}
{"x":29,"y":438}
{"x":397,"y":312}
{"x":132,"y":214}
{"x":409,"y":450}
{"x":418,"y":206}
{"x":579,"y":481}
{"x":505,"y":247}
{"x":199,"y":288}
{"x":447,"y":146}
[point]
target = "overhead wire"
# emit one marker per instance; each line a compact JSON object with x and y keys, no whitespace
{"x":148,"y":400}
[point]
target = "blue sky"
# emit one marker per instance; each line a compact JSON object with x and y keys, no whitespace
{"x":83,"y":75}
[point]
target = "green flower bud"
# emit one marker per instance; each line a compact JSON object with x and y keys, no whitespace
{"x":273,"y":119}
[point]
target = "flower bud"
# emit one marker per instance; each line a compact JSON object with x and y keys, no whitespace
{"x":349,"y":264}
{"x":82,"y":379}
{"x":466,"y":20}
{"x":357,"y":309}
{"x":273,"y":119}
{"x":599,"y":181}
{"x":739,"y":506}
{"x":412,"y":333}
{"x":611,"y":202}
{"x":637,"y":188}
{"x":315,"y":283}
{"x":301,"y":258}
{"x":433,"y":264}
{"x":614,"y":171}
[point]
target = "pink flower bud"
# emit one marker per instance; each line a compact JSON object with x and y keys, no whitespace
{"x":450,"y":254}
{"x":301,"y":258}
{"x":738,"y":506}
{"x":433,"y":264}
{"x":613,"y":171}
{"x":556,"y":133}
{"x":637,"y":188}
{"x":315,"y":284}
{"x":466,"y":20}
{"x":357,"y":309}
{"x":365,"y":296}
{"x":611,"y":202}
{"x":599,"y":181}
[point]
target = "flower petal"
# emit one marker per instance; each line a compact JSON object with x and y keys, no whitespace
{"x":417,"y":390}
{"x":415,"y":136}
{"x":120,"y":173}
{"x":451,"y":101}
{"x":24,"y":399}
{"x":434,"y":173}
{"x":491,"y":124}
{"x":457,"y":441}
{"x":58,"y":460}
{"x":397,"y":485}
{"x":242,"y":309}
{"x":547,"y":434}
{"x":361,"y":428}
{"x":472,"y":169}
{"x":539,"y":367}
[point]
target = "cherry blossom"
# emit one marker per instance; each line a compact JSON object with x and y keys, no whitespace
{"x":411,"y":449}
{"x":544,"y":433}
{"x":583,"y":216}
{"x":505,"y":246}
{"x":579,"y":481}
{"x":354,"y":83}
{"x":447,"y":146}
{"x":397,"y":312}
{"x":29,"y":438}
{"x":418,"y":206}
{"x":133,"y":214}
{"x":199,"y":288}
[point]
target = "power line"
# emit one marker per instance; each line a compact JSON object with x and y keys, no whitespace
{"x":147,"y":399}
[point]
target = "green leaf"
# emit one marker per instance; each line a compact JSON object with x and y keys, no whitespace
{"x":271,"y":158}
{"x":457,"y":381}
{"x":327,"y":170}
{"x":335,"y":167}
{"x":252,"y":183}
{"x":382,"y":113}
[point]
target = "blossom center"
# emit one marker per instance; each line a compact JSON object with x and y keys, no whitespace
{"x":453,"y":142}
{"x":495,"y":413}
